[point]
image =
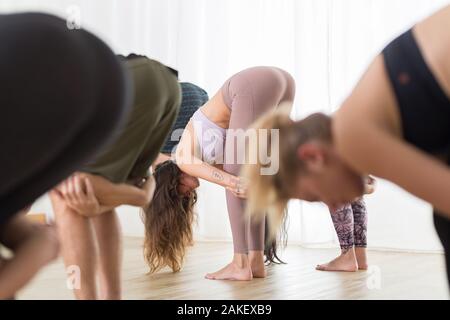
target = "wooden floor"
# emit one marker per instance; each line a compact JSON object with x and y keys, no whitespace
{"x":393,"y":276}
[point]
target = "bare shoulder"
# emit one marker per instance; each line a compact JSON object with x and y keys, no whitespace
{"x":433,"y":38}
{"x":371,"y":109}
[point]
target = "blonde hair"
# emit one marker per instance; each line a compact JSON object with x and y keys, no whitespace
{"x":270,"y":194}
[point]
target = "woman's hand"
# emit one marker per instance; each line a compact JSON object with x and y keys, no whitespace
{"x":78,"y":194}
{"x":370,"y":184}
{"x":238,"y":186}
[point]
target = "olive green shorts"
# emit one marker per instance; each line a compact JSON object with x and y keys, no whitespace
{"x":157,"y":98}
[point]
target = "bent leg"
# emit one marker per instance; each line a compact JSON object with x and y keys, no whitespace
{"x":108,"y":234}
{"x":33,"y":246}
{"x":78,"y":248}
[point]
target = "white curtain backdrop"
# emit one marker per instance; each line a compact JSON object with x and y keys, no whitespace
{"x":324,"y":44}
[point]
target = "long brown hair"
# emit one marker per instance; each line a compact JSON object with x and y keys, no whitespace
{"x":168,"y":220}
{"x":270,"y":194}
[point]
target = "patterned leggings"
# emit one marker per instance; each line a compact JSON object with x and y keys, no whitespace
{"x":350,"y":223}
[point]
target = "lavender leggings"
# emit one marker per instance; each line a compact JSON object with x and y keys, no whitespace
{"x":249,"y":94}
{"x":350,"y":223}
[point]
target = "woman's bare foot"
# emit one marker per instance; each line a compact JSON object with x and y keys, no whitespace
{"x":345,"y":262}
{"x":238,"y":270}
{"x":361,"y":258}
{"x":258,"y":268}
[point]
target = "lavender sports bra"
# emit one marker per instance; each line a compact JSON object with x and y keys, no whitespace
{"x":210,"y":138}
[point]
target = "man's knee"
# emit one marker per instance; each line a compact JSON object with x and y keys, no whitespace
{"x":50,"y":242}
{"x":61,"y":209}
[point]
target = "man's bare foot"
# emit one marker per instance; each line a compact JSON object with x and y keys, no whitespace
{"x":345,"y":262}
{"x":258,"y":268}
{"x":361,"y":258}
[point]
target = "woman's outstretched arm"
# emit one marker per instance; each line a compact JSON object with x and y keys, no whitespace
{"x":188,"y":162}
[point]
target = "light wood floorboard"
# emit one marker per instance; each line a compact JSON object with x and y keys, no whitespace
{"x":402,"y":276}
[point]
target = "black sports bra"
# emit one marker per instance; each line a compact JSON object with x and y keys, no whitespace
{"x":423,"y":104}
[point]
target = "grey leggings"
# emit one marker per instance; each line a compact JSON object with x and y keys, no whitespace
{"x":249,"y":94}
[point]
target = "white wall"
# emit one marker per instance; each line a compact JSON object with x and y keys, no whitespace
{"x":325,"y":44}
